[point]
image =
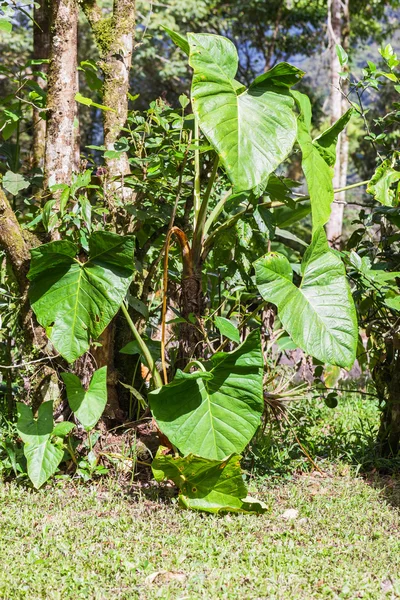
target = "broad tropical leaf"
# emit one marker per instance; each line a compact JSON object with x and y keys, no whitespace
{"x":209,"y":485}
{"x":42,"y":456}
{"x":317,"y":172}
{"x":42,"y":461}
{"x":385,"y":184}
{"x":318,"y":158}
{"x":76,"y":300}
{"x":252,"y":130}
{"x":319,"y":316}
{"x":14,"y":182}
{"x":214,"y":413}
{"x":88,"y":406}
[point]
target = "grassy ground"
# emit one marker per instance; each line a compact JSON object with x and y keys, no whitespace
{"x":99,"y":541}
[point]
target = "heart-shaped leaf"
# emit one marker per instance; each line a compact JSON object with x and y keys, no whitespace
{"x":42,"y":456}
{"x":88,"y":406}
{"x":209,"y":485}
{"x":77,"y":300}
{"x":319,"y":316}
{"x":252,"y":130}
{"x":214,"y":413}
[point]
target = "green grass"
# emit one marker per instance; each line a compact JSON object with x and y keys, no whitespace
{"x":92,"y":542}
{"x":101,"y":541}
{"x":345,"y":435}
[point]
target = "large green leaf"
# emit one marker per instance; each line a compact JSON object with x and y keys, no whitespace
{"x":42,"y":461}
{"x":319,"y":316}
{"x":87,"y":405}
{"x":208,"y":485}
{"x":214,"y":413}
{"x":318,"y":159}
{"x":76,"y":300}
{"x":252,"y":130}
{"x":384,"y":185}
{"x":42,"y":456}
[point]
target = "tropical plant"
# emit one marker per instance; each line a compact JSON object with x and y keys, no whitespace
{"x":232,"y":151}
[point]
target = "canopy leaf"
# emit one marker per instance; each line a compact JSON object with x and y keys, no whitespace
{"x":252,"y":130}
{"x":385,"y":184}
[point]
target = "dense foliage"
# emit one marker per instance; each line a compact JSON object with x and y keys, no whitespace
{"x":163,"y":269}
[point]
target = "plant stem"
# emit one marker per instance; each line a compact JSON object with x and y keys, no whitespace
{"x":197,"y":188}
{"x":230,"y":222}
{"x":336,"y":191}
{"x":201,"y":217}
{"x":145,"y":351}
{"x":194,"y":363}
{"x":216,"y":211}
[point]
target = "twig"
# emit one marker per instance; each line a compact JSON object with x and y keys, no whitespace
{"x":25,"y":364}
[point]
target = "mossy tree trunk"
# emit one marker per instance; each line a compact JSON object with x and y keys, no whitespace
{"x":114,"y":36}
{"x":62,"y":88}
{"x":17,"y":249}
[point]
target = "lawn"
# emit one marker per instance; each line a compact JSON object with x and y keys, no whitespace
{"x":340,"y":538}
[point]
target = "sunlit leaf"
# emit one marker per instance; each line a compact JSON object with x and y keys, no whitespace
{"x":208,"y":485}
{"x":319,"y":316}
{"x":76,"y":300}
{"x":214,"y":413}
{"x":252,"y":130}
{"x":87,"y":405}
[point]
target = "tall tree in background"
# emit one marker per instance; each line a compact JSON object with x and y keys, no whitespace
{"x":62,"y":88}
{"x":338,"y":34}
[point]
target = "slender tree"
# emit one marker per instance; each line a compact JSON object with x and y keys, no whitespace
{"x":338,"y":34}
{"x":41,"y":51}
{"x":62,"y":88}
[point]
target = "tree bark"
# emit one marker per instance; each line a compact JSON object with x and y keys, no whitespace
{"x":114,"y":37}
{"x":17,"y":251}
{"x":41,"y":50}
{"x":387,"y":380}
{"x":338,"y":33}
{"x":62,"y":87}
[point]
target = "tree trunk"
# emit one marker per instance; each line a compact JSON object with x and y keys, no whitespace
{"x":114,"y":38}
{"x":338,"y":31}
{"x":41,"y":50}
{"x":192,"y":309}
{"x":17,"y":251}
{"x":387,"y":380}
{"x":62,"y":87}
